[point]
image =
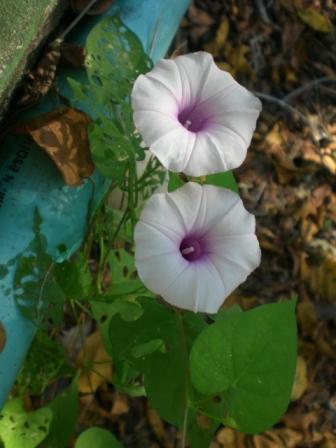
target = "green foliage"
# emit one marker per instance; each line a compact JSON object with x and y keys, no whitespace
{"x":47,"y":427}
{"x":74,"y":277}
{"x":151,"y":334}
{"x":115,"y":57}
{"x":157,"y":345}
{"x":125,"y":280}
{"x":97,"y":438}
{"x":248,"y":359}
{"x":21,"y":429}
{"x":175,"y":181}
{"x":44,"y":363}
{"x":110,"y":149}
{"x":64,"y":409}
{"x":153,"y":176}
{"x":226,"y":180}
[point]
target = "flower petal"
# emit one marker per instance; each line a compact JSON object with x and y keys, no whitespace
{"x":158,"y":272}
{"x":174,"y":213}
{"x":175,"y":148}
{"x":198,"y":288}
{"x":240,"y":250}
{"x":236,"y":260}
{"x":147,"y":90}
{"x":194,"y":70}
{"x":157,"y":258}
{"x":159,"y":214}
{"x":154,"y":125}
{"x":207,"y":155}
{"x":218,"y":205}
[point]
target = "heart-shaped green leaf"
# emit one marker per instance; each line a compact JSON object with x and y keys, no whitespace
{"x":249,"y":360}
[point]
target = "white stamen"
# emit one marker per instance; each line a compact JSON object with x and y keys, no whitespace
{"x":187,"y":124}
{"x":188,"y":250}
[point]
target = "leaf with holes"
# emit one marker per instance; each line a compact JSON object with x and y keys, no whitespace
{"x":124,"y":278}
{"x":21,"y":429}
{"x":115,"y":58}
{"x":74,"y":277}
{"x":44,"y":363}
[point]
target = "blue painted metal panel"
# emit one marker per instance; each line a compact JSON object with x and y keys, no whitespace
{"x":29,"y":179}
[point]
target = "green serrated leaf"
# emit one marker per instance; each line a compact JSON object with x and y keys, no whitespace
{"x":97,"y":438}
{"x":249,"y":360}
{"x":21,"y":429}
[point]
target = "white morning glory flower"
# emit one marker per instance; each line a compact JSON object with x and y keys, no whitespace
{"x":194,"y":246}
{"x":193,"y":116}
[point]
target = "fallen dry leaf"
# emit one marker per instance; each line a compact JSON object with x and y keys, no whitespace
{"x":278,"y":438}
{"x":226,"y":437}
{"x":307,"y":318}
{"x":216,"y":46}
{"x":62,"y":133}
{"x":276,"y":142}
{"x":95,"y":364}
{"x":301,"y":379}
{"x":120,"y":405}
{"x":315,"y":20}
{"x":320,"y":273}
{"x":157,"y":425}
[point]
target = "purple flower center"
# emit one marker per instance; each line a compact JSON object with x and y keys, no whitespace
{"x":194,"y":118}
{"x":191,"y":248}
